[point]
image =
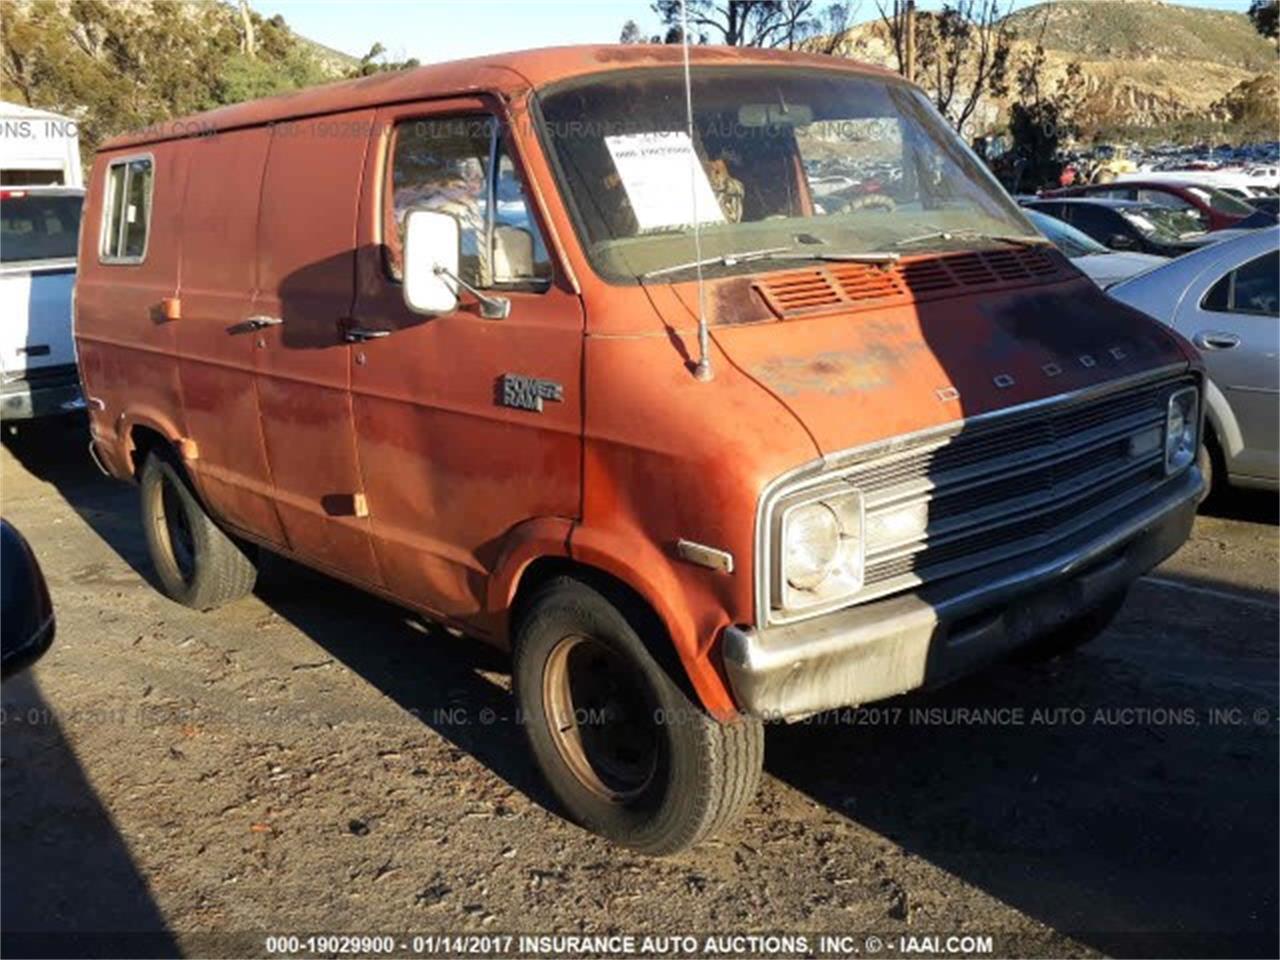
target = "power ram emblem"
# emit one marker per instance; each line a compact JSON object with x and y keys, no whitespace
{"x":528,"y":393}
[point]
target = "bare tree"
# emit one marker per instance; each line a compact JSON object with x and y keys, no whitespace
{"x":961,"y":52}
{"x":787,"y":24}
{"x":1040,"y":121}
{"x":896,"y":22}
{"x":248,"y":43}
{"x":834,"y":24}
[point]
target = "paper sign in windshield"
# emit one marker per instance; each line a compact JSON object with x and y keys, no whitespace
{"x":655,"y":170}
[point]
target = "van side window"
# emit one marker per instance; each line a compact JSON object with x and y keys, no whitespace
{"x":127,"y":210}
{"x":445,"y":164}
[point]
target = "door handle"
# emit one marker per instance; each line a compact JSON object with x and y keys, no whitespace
{"x":1216,"y":340}
{"x":361,"y":334}
{"x":261,"y":323}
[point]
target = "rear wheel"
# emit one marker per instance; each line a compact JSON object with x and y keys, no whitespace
{"x":197,"y":564}
{"x":1074,"y":633}
{"x":624,"y":748}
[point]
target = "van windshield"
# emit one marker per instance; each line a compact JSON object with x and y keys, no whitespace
{"x":802,"y":161}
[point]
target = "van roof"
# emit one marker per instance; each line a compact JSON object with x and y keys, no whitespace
{"x":506,"y":73}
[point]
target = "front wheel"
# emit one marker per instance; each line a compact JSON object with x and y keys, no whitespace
{"x":622,"y":746}
{"x":197,"y":564}
{"x":1214,"y":469}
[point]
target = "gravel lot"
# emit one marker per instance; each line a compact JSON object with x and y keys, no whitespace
{"x":314,"y":760}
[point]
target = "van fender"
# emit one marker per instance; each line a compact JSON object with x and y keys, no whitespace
{"x":638,"y":563}
{"x":149,"y":418}
{"x":525,"y":543}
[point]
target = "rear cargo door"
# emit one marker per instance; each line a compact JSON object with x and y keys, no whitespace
{"x":38,"y":238}
{"x":35,"y":301}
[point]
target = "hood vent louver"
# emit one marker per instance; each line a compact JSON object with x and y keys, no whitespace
{"x":838,"y":287}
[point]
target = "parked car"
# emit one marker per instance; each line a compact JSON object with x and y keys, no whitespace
{"x":39,"y":228}
{"x":1269,"y":205}
{"x":1266,"y":175}
{"x":1100,"y":264}
{"x":1247,"y":192}
{"x":27,"y":623}
{"x":1226,"y":300}
{"x":712,"y":457}
{"x":1234,"y":182}
{"x":1214,"y":209}
{"x":1128,"y":225}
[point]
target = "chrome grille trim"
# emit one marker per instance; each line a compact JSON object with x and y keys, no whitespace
{"x":997,"y":484}
{"x":999,"y":511}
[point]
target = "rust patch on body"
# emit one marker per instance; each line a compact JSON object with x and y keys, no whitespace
{"x":835,"y":372}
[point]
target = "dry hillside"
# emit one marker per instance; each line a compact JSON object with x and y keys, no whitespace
{"x":1143,"y":63}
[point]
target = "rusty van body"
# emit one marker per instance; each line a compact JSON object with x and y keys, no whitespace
{"x":437,"y":333}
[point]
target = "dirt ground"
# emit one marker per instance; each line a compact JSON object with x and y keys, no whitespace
{"x":311,"y":760}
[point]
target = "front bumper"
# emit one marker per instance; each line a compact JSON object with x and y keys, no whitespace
{"x":24,"y":400}
{"x":880,"y":649}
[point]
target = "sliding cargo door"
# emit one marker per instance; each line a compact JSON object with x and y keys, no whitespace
{"x":306,"y":270}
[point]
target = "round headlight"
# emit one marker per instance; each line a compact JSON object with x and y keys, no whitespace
{"x":812,"y":545}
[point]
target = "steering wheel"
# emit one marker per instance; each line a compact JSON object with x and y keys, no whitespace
{"x":873,"y":201}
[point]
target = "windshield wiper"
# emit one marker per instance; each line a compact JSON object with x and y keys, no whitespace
{"x":879,"y":257}
{"x":1012,"y":238}
{"x":723,"y":260}
{"x":776,"y":253}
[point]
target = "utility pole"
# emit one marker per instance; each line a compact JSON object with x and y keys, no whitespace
{"x":911,"y":39}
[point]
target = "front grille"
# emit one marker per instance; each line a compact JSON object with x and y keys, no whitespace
{"x":997,"y":491}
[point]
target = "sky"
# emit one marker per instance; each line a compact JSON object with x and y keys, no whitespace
{"x":435,"y":30}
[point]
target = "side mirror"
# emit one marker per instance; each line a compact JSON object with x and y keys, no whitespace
{"x":431,"y":253}
{"x":28,"y":624}
{"x":432,"y":242}
{"x":1119,"y":241}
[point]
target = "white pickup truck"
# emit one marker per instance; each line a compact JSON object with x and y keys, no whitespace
{"x":39,"y":230}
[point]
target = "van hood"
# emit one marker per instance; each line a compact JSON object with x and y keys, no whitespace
{"x":856,"y":373}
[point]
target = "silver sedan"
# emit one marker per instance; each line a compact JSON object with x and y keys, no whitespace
{"x":1225,"y":299}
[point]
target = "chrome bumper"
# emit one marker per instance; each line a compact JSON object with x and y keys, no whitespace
{"x":21,"y":400}
{"x":880,"y":649}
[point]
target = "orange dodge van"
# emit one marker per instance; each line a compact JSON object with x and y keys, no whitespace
{"x":711,"y":414}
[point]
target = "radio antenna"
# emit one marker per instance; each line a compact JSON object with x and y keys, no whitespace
{"x":703,"y":370}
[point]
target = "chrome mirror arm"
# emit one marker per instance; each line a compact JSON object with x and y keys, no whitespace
{"x":491,"y":308}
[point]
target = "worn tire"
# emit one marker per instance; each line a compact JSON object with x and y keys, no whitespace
{"x":1213,"y":465}
{"x":1204,"y":460}
{"x":703,"y":773}
{"x":1074,"y":633}
{"x":197,"y":564}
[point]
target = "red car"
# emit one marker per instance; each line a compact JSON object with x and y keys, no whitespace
{"x":1217,"y":210}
